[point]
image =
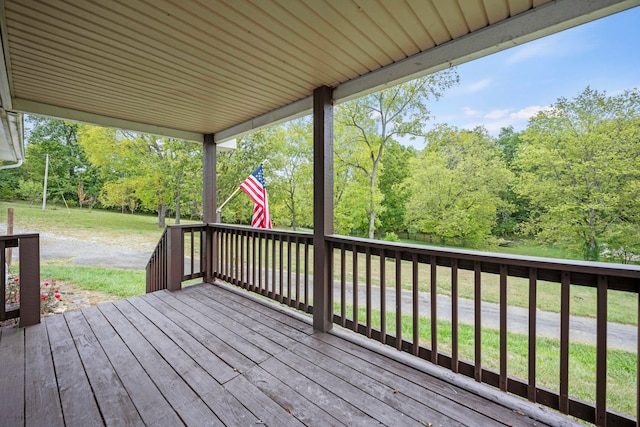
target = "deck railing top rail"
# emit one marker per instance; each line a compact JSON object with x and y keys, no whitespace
{"x":586,"y":271}
{"x":8,"y":237}
{"x":263,"y":231}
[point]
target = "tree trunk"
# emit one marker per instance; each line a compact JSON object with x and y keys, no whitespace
{"x":162,"y":213}
{"x":372,"y":211}
{"x":178,"y":207}
{"x":294,"y":223}
{"x":592,"y":250}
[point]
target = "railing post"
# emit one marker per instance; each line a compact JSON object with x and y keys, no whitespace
{"x":209,"y":201}
{"x":29,"y":252}
{"x":175,"y":258}
{"x":322,"y":207}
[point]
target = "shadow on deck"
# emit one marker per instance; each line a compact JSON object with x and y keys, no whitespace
{"x":208,"y":355}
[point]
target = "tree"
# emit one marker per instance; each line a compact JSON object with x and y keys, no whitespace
{"x":396,"y":170}
{"x":142,"y":170}
{"x":509,"y":220}
{"x":10,"y":180}
{"x":291,"y":167}
{"x":580,"y":167}
{"x":455,"y":185}
{"x":68,"y":163}
{"x":373,"y":121}
{"x":233,"y":167}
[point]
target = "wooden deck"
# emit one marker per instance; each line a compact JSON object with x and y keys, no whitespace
{"x":209,"y":356}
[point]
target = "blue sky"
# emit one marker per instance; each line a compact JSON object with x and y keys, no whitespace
{"x":509,"y":87}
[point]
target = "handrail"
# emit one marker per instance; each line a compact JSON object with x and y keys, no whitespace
{"x":399,"y":270}
{"x":166,"y":266}
{"x":28,"y":310}
{"x":518,"y":264}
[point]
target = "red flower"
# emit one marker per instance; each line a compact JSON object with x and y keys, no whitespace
{"x":56,"y":291}
{"x":43,"y":297}
{"x":46,"y":283}
{"x":57,"y":296}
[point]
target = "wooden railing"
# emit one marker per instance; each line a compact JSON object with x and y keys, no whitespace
{"x":172,"y":263}
{"x":411,"y":277}
{"x":276,"y":264}
{"x":28,"y":309}
{"x":389,"y":292}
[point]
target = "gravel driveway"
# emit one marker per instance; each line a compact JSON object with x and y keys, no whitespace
{"x":85,"y":252}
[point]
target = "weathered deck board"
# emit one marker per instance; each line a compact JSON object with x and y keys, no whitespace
{"x":114,"y":401}
{"x":41,"y":394}
{"x":209,"y":356}
{"x":12,"y":376}
{"x":148,"y":400}
{"x":79,"y":406}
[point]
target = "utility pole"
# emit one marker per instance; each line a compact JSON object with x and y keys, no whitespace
{"x":9,"y":251}
{"x":46,"y":177}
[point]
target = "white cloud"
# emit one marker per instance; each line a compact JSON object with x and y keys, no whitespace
{"x":497,"y":119}
{"x":470,"y":111}
{"x":527,"y":112}
{"x":496,"y":114}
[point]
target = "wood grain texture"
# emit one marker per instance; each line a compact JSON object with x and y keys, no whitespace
{"x":79,"y":406}
{"x":12,"y":375}
{"x":207,"y":356}
{"x":42,"y":399}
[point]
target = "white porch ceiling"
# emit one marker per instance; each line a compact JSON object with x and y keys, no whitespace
{"x":184,"y":68}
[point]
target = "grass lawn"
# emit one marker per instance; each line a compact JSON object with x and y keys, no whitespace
{"x":113,"y":281}
{"x":621,"y":365}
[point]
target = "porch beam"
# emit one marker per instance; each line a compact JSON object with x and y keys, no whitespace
{"x":322,"y":206}
{"x":40,"y":108}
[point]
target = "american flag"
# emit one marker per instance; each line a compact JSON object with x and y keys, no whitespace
{"x":254,"y":187}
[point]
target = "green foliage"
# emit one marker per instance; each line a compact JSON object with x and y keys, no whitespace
{"x":576,"y":169}
{"x":622,"y":243}
{"x":455,"y":187}
{"x":144,"y":171}
{"x":233,"y":167}
{"x":9,"y":181}
{"x":29,"y":190}
{"x":113,"y":281}
{"x":291,"y":169}
{"x":396,"y":170}
{"x":580,"y":165}
{"x":366,"y":125}
{"x":68,"y":163}
{"x":390,"y":236}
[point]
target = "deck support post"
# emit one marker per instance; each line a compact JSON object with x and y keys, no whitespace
{"x":175,"y":258}
{"x":29,"y":252}
{"x":322,"y":207}
{"x":209,"y":203}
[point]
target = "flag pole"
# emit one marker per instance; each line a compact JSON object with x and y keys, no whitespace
{"x":227,"y":201}
{"x":219,"y":210}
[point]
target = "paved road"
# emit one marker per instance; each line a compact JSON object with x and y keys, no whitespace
{"x":581,"y":329}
